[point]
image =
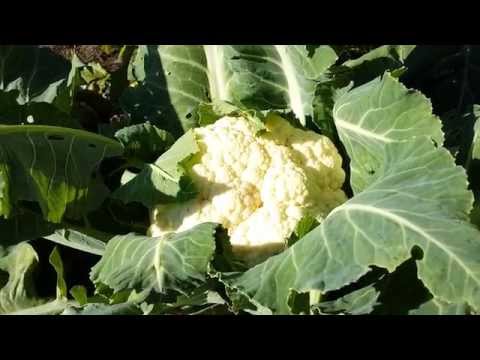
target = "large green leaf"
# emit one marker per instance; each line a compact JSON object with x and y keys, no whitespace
{"x":36,"y":86}
{"x":77,"y":240}
{"x":170,"y":262}
{"x":144,"y":142}
{"x":38,"y":113}
{"x":358,"y":302}
{"x":164,"y":180}
{"x":438,"y":307}
{"x":376,"y":114}
{"x":18,"y":292}
{"x":173,"y":82}
{"x":271,"y":77}
{"x":176,"y":79}
{"x":417,"y":199}
{"x":52,"y":166}
{"x":35,"y":72}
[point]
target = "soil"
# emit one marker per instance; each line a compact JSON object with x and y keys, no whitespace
{"x":110,"y":61}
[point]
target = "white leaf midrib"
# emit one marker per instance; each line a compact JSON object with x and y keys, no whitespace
{"x":361,"y":131}
{"x":402,"y":222}
{"x":294,"y":93}
{"x":216,"y":72}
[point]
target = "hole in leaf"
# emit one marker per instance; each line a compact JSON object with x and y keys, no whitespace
{"x":92,"y":146}
{"x":189,"y":115}
{"x":371,"y":172}
{"x":417,"y":252}
{"x":55,"y":137}
{"x":299,"y":302}
{"x":169,"y":73}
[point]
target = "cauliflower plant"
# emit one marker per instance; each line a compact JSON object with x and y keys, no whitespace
{"x":258,"y":186}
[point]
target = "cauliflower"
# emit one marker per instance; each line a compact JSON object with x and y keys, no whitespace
{"x":257,"y":186}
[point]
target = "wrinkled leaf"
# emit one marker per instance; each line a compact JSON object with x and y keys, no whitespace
{"x":170,"y":262}
{"x":417,"y":198}
{"x":378,"y":113}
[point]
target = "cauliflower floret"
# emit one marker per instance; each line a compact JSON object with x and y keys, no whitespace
{"x":257,"y":186}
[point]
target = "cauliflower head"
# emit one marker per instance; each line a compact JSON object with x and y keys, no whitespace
{"x":258,"y":186}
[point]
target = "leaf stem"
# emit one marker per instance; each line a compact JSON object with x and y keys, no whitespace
{"x":315,"y":297}
{"x":50,"y":308}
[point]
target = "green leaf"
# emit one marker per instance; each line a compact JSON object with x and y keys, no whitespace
{"x":272,"y":77}
{"x":304,"y":226}
{"x":418,"y":199}
{"x":52,"y":166}
{"x":366,"y":124}
{"x":164,"y":180}
{"x":18,"y":292}
{"x":398,"y":53}
{"x":77,"y":240}
{"x":170,"y":262}
{"x":173,"y":82}
{"x":476,"y":136}
{"x":211,"y":112}
{"x":358,"y":302}
{"x":34,"y":113}
{"x":438,"y":307}
{"x":144,"y":142}
{"x":54,"y":307}
{"x":57,"y":263}
{"x":96,"y":77}
{"x":35,"y":72}
{"x":391,"y":58}
{"x":36,"y":87}
{"x":104,"y":309}
{"x":176,"y":79}
{"x":79,"y":293}
{"x":322,"y":108}
{"x":201,"y":298}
